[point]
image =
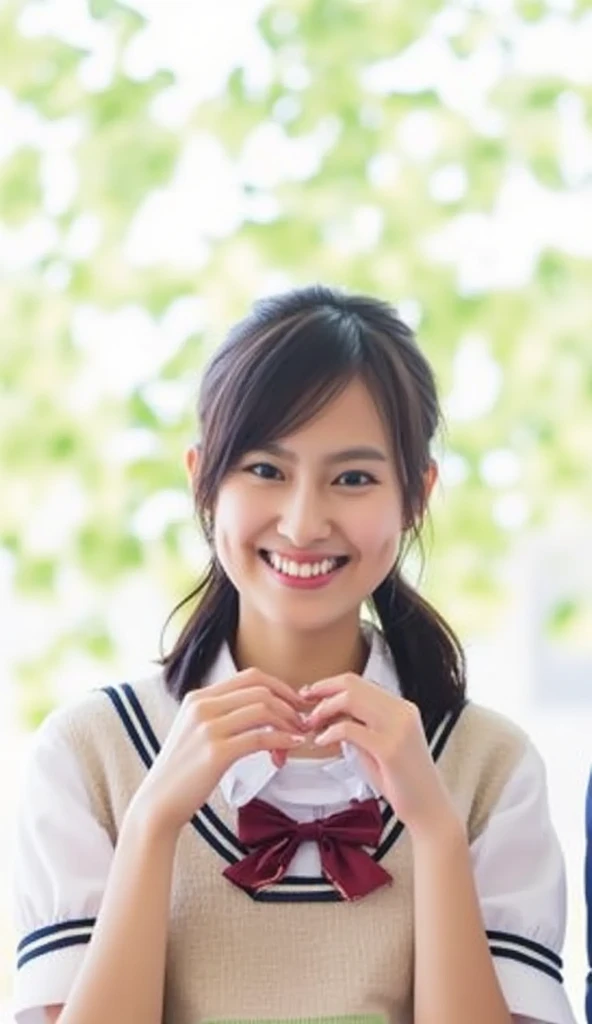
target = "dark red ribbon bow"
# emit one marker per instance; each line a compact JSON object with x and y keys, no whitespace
{"x":340,"y":837}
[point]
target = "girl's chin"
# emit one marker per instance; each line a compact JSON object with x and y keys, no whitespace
{"x":308,"y":618}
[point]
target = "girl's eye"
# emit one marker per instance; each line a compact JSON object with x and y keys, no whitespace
{"x":356,"y":478}
{"x":264,"y":470}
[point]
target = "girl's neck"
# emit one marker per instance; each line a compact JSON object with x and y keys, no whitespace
{"x":300,"y":658}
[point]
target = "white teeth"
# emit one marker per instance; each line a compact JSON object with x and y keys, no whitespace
{"x":302,"y":569}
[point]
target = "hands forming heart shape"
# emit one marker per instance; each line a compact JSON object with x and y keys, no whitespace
{"x":388,"y":734}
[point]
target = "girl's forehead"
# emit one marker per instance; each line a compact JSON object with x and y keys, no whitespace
{"x":352,"y":413}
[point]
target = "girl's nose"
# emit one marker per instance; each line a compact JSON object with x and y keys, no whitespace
{"x":304,"y":520}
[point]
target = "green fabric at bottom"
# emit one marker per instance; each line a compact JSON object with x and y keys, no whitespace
{"x":357,"y":1018}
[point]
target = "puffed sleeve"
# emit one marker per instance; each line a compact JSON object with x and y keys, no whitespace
{"x":63,"y":857}
{"x":520,"y":879}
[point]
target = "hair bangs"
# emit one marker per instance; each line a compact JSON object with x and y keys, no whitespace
{"x":289,"y":375}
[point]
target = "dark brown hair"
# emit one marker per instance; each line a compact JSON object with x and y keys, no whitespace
{"x":279,"y":366}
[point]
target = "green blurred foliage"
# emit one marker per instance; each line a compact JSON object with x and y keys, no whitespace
{"x":361,"y":212}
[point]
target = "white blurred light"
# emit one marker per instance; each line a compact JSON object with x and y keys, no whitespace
{"x":130,"y":445}
{"x":450,"y":21}
{"x":136,"y":635}
{"x":122,"y":348}
{"x":184,"y":316}
{"x":287,"y":108}
{"x":272,"y":282}
{"x":202,"y":201}
{"x":83,"y":237}
{"x":448,"y":184}
{"x":59,"y":178}
{"x":269,"y":156}
{"x":477,"y":380}
{"x":284,"y":22}
{"x":430,"y":64}
{"x":21,"y":125}
{"x":419,"y":134}
{"x":488,"y":255}
{"x":170,"y":399}
{"x":383,"y":169}
{"x":21,"y":248}
{"x":511,"y":511}
{"x":410,"y":312}
{"x":357,"y":232}
{"x":55,"y":517}
{"x":296,"y":76}
{"x":575,"y":147}
{"x":97,"y":70}
{"x":453,"y":469}
{"x":172,"y":107}
{"x":261,"y":207}
{"x":555,"y":47}
{"x":500,"y":468}
{"x":69,"y":20}
{"x":57,"y":276}
{"x":159,"y":511}
{"x":201,"y":44}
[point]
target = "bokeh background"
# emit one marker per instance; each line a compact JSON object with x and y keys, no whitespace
{"x":164,"y":163}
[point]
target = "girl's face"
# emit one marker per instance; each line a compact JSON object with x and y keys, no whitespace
{"x":308,"y":527}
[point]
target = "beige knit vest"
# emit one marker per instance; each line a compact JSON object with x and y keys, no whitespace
{"x":296,"y":952}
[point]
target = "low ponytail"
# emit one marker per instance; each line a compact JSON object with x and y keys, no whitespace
{"x":427,"y":653}
{"x":212,"y":623}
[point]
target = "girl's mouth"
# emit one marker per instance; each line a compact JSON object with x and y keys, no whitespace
{"x":307,"y":575}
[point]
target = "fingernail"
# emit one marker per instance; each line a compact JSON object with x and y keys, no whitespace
{"x":299,"y":739}
{"x":305,"y":690}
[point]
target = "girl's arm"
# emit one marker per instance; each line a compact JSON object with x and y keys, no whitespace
{"x":515,"y":866}
{"x":455,"y":980}
{"x":122,"y":975}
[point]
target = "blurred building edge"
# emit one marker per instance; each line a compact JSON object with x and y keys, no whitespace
{"x":552,"y":627}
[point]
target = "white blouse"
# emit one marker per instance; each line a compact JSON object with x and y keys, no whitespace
{"x":64,"y":856}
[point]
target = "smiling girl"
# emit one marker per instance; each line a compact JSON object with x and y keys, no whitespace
{"x":301,"y":817}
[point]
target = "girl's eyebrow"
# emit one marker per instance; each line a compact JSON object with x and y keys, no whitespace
{"x":365,"y":452}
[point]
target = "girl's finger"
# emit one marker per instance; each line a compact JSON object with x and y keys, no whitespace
{"x":252,"y":677}
{"x":324,"y":688}
{"x":279,"y":757}
{"x":213,"y":707}
{"x":348,"y":731}
{"x":254,"y":716}
{"x":331,"y":707}
{"x":270,"y":740}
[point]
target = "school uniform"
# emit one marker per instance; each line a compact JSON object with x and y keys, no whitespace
{"x":588,"y":879}
{"x":295,"y":949}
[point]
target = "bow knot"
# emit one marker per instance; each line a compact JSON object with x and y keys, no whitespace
{"x":274,"y":838}
{"x":310,"y":831}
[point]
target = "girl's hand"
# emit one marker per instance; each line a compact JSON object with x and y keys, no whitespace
{"x":214,"y":727}
{"x":388,"y":734}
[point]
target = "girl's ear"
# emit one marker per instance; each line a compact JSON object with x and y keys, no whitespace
{"x":429,"y":481}
{"x":430,"y":478}
{"x":192,"y":463}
